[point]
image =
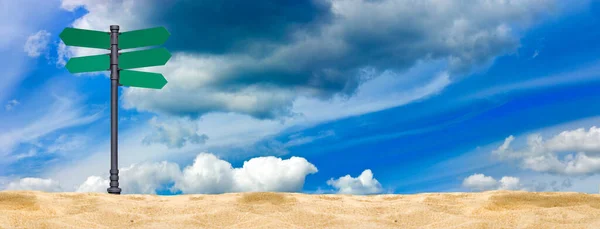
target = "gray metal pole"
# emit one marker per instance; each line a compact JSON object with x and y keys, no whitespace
{"x":114,"y":99}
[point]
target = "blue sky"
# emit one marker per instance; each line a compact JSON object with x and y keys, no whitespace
{"x":355,"y":96}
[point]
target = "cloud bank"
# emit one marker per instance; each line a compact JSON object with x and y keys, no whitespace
{"x":207,"y":175}
{"x":33,"y":183}
{"x":315,"y":49}
{"x":573,"y":152}
{"x":210,"y":175}
{"x":481,"y":182}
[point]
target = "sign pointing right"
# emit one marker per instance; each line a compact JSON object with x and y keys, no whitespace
{"x":143,"y":38}
{"x":144,"y":58}
{"x":142,"y":79}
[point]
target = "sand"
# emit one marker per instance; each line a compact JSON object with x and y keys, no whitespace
{"x":496,"y":209}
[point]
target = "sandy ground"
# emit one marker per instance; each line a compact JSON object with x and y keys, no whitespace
{"x":497,"y":209}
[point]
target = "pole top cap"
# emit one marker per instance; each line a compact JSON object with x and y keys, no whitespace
{"x":114,"y":27}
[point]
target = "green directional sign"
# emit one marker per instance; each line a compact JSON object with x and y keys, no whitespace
{"x":88,"y":63}
{"x":142,"y":38}
{"x":144,"y":58}
{"x":142,"y":79}
{"x":85,"y":38}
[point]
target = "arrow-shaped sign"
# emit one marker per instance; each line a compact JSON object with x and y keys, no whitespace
{"x":144,"y":58}
{"x":142,"y":38}
{"x":142,"y":79}
{"x":88,"y":63}
{"x":85,"y":38}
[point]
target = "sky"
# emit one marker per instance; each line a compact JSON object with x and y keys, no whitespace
{"x":318,"y":96}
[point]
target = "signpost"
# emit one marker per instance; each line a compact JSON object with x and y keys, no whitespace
{"x":115,"y":62}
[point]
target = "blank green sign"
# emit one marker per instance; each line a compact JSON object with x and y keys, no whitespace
{"x":88,"y":63}
{"x":142,"y":38}
{"x":144,"y":58}
{"x":85,"y":38}
{"x":142,"y":79}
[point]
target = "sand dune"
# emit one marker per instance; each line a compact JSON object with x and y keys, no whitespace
{"x":498,"y":209}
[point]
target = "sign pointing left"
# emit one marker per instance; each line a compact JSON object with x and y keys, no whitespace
{"x":85,"y":38}
{"x":88,"y":64}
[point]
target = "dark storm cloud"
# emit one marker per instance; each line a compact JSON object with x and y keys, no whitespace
{"x":221,"y":26}
{"x":258,"y":56}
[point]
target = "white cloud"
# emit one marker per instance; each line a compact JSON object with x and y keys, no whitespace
{"x":94,"y":184}
{"x":578,"y":148}
{"x":147,"y":177}
{"x":37,"y":43}
{"x":208,"y":174}
{"x":529,"y":182}
{"x":509,"y":183}
{"x":363,"y":184}
{"x":481,"y":182}
{"x":63,"y":54}
{"x":578,"y":140}
{"x":142,"y":178}
{"x":547,"y":168}
{"x":11,"y":104}
{"x":131,"y":151}
{"x":30,"y":183}
{"x":271,"y":173}
{"x":175,"y":133}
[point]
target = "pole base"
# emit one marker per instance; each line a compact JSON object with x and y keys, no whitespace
{"x":114,"y":190}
